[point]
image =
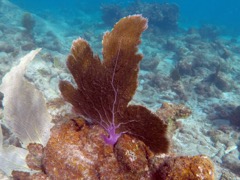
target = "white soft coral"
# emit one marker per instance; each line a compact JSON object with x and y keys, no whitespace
{"x":25,"y":114}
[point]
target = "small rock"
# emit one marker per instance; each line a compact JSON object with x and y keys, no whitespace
{"x":34,"y":158}
{"x":1,"y":33}
{"x":1,"y":98}
{"x":28,"y":46}
{"x":131,"y":154}
{"x":4,"y":47}
{"x":196,"y":167}
{"x":18,"y":175}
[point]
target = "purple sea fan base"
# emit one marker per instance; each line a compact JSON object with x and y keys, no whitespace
{"x":112,"y":137}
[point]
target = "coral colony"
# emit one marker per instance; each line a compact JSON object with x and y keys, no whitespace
{"x":112,"y":139}
{"x":105,"y":88}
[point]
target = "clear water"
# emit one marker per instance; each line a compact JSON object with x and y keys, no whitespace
{"x":221,"y":12}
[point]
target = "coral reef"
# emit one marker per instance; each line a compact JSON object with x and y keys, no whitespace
{"x":163,"y":16}
{"x":209,"y":31}
{"x":76,"y":149}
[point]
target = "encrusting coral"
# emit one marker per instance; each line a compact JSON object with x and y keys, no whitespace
{"x":104,"y":89}
{"x":76,"y":151}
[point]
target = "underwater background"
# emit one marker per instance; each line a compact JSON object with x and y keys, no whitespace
{"x":191,"y":57}
{"x":196,"y":12}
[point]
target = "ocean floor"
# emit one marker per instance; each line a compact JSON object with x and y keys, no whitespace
{"x":179,"y":67}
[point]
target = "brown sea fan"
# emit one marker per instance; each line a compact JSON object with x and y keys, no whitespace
{"x":104,"y":89}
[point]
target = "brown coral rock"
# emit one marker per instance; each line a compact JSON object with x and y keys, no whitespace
{"x":132,"y":154}
{"x":182,"y":168}
{"x":39,"y":176}
{"x":18,"y":175}
{"x":34,"y":158}
{"x":72,"y":152}
{"x":75,"y":152}
{"x":173,"y":111}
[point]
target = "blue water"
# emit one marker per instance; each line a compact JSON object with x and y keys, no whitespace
{"x":197,"y":12}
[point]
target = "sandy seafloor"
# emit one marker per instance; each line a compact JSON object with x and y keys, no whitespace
{"x":207,"y":131}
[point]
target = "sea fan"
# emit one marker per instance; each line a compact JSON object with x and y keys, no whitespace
{"x":25,"y":114}
{"x":104,"y":89}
